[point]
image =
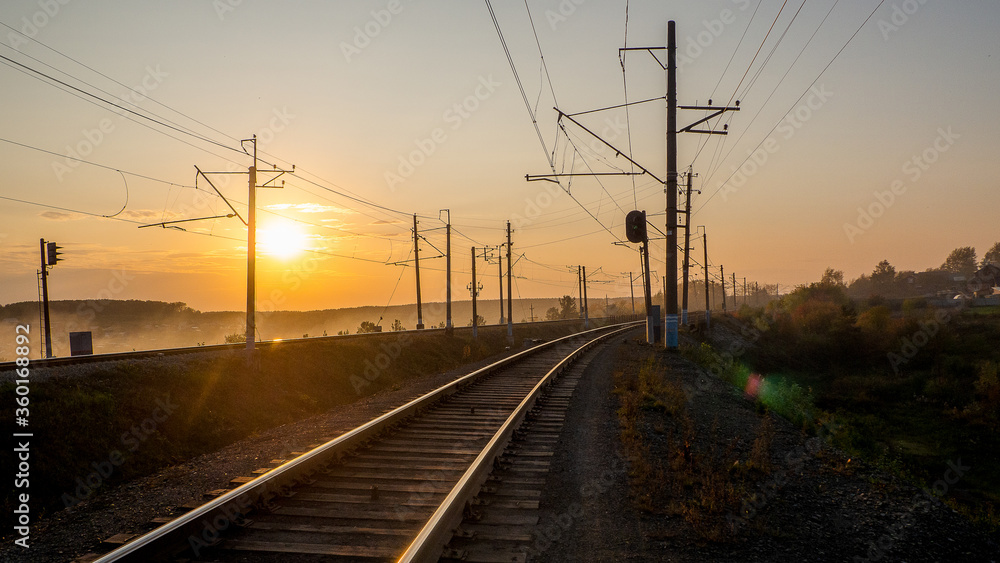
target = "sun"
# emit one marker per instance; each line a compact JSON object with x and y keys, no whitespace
{"x":282,"y":240}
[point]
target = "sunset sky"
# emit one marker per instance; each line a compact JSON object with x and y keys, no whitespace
{"x":389,"y":108}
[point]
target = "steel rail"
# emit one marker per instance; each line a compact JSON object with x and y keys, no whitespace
{"x":431,"y":540}
{"x":231,"y":506}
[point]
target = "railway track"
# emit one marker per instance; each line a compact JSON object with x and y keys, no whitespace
{"x":395,"y":488}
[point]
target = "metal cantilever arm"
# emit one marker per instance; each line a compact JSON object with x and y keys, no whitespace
{"x":618,"y":151}
{"x":202,"y":174}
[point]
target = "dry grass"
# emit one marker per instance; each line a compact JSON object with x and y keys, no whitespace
{"x":673,"y":470}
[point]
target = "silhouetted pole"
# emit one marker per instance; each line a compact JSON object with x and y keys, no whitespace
{"x":449,"y":328}
{"x":500,"y":271}
{"x":510,"y":284}
{"x":252,"y":255}
{"x":708,"y":307}
{"x":586,"y":309}
{"x":670,"y":294}
{"x":631,"y":290}
{"x":475,"y":291}
{"x":722,"y":274}
{"x":416,"y":268}
{"x":647,"y":288}
{"x":45,"y":302}
{"x":687,"y":251}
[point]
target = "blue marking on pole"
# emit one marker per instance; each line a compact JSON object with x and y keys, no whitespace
{"x":671,"y":332}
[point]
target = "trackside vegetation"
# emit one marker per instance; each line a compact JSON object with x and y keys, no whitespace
{"x":898,"y":383}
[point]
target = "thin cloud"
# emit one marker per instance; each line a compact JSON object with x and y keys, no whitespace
{"x":308,"y":208}
{"x":60,"y":216}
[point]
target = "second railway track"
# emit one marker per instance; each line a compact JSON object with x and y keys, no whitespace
{"x":392,"y":489}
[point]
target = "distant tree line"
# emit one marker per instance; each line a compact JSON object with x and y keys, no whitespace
{"x":885,"y":280}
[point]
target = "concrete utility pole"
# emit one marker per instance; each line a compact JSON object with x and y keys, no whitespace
{"x":708,"y":307}
{"x":251,"y":335}
{"x":687,"y":250}
{"x":500,"y":270}
{"x":586,"y":308}
{"x":670,"y":276}
{"x":510,"y":298}
{"x":579,"y":281}
{"x":251,"y":224}
{"x":631,"y":290}
{"x":745,"y":294}
{"x":416,"y":269}
{"x":449,"y":328}
{"x":722,"y":274}
{"x":475,"y":291}
{"x":648,"y":289}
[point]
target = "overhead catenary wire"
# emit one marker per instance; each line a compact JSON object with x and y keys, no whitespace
{"x":94,"y":70}
{"x":534,"y":120}
{"x":753,"y":81}
{"x":104,"y":166}
{"x":797,"y":100}
{"x":161,"y":121}
{"x":760,"y":108}
{"x":628,"y":123}
{"x":361,"y":201}
{"x":116,"y":105}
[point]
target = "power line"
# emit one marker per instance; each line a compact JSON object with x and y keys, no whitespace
{"x":106,"y":167}
{"x":802,"y":51}
{"x":36,"y":73}
{"x":753,"y":80}
{"x":737,"y":50}
{"x":813,"y":83}
{"x":113,"y":104}
{"x":60,"y":53}
{"x":768,"y":34}
{"x":534,"y":121}
{"x":628,"y":123}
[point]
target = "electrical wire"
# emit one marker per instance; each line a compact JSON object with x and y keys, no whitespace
{"x":628,"y":123}
{"x":802,"y":51}
{"x":813,"y":83}
{"x":534,"y":120}
{"x":113,"y":104}
{"x":104,"y":166}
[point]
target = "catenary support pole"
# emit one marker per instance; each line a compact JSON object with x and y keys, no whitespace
{"x":475,"y":292}
{"x":510,"y":284}
{"x":416,"y":269}
{"x":670,"y":281}
{"x":708,"y":305}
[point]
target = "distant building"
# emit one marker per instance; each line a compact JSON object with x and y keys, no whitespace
{"x":986,"y":280}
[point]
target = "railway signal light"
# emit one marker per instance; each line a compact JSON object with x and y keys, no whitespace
{"x":635,"y":226}
{"x":53,"y":253}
